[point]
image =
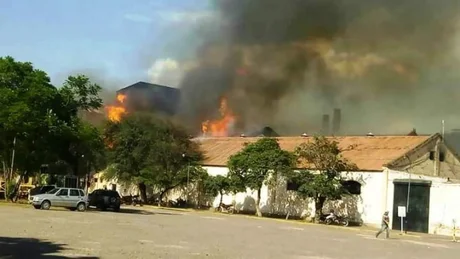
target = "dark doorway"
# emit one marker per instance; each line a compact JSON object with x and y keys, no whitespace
{"x":417,"y":216}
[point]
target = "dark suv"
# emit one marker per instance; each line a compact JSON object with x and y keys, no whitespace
{"x":104,"y":199}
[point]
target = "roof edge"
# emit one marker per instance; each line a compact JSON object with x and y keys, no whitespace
{"x":200,"y":138}
{"x":412,"y":150}
{"x":150,"y":84}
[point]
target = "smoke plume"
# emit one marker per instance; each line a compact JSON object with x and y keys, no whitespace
{"x":390,"y":65}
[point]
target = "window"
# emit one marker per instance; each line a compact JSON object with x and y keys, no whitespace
{"x":81,"y":193}
{"x":74,"y":192}
{"x":292,"y":186}
{"x":432,"y":154}
{"x":63,"y":192}
{"x":53,"y":191}
{"x":353,"y":187}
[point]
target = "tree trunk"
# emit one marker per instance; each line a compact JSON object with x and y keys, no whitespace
{"x":143,"y":191}
{"x":258,"y":212}
{"x":5,"y":179}
{"x":319,"y":203}
{"x":15,"y":194}
{"x":221,"y":197}
{"x":160,"y":198}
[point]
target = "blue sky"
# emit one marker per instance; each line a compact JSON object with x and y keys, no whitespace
{"x":119,"y":39}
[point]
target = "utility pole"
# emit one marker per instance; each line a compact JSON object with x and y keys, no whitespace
{"x":12,"y":158}
{"x":443,"y":129}
{"x":188,"y":179}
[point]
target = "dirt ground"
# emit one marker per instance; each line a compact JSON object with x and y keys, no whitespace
{"x":152,"y":233}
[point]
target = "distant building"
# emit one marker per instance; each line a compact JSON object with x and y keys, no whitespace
{"x":143,"y":96}
{"x":389,"y":168}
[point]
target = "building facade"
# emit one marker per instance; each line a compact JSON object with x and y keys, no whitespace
{"x":420,"y":173}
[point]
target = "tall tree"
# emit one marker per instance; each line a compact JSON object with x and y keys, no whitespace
{"x":323,"y":182}
{"x":259,"y":161}
{"x":39,"y":121}
{"x":153,"y":152}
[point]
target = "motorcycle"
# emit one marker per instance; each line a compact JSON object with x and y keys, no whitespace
{"x":136,"y":201}
{"x":338,"y":220}
{"x":224,"y":208}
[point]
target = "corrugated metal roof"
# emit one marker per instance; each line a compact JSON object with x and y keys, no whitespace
{"x":368,"y":153}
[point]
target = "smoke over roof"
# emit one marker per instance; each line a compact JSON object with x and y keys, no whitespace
{"x":390,"y":65}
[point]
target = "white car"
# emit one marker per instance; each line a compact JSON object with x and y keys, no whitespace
{"x":71,"y":198}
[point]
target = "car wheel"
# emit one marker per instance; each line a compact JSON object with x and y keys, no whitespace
{"x":46,"y":205}
{"x":37,"y":207}
{"x":81,"y":207}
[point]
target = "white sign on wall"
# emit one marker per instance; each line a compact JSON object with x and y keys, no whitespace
{"x":401,"y":211}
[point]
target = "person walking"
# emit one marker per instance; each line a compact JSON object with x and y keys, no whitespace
{"x":385,"y":226}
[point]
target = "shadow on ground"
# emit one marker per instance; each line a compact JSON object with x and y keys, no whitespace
{"x":32,"y":248}
{"x":139,"y":211}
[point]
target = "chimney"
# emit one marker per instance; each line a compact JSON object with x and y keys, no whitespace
{"x":325,"y":128}
{"x":336,"y":120}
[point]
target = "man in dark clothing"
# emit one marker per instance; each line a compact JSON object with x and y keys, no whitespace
{"x":385,"y":225}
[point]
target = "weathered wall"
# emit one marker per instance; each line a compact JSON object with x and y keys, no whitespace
{"x":365,"y":207}
{"x":99,"y":182}
{"x":444,"y":201}
{"x":420,"y":162}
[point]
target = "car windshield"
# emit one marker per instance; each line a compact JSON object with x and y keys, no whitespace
{"x":53,"y":191}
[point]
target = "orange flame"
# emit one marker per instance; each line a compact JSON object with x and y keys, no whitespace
{"x":115,"y":112}
{"x":219,"y":128}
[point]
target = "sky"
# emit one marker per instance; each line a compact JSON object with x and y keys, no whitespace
{"x":121,"y":41}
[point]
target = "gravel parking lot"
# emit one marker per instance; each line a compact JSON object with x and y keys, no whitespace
{"x":153,"y":233}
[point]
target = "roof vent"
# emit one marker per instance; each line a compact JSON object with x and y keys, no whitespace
{"x":370,"y":134}
{"x":304,"y":135}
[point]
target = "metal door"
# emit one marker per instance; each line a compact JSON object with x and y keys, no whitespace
{"x":418,"y":211}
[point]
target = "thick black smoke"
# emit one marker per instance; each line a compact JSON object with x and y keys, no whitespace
{"x":390,"y":65}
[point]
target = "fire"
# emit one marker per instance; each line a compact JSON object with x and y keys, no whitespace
{"x":219,"y":128}
{"x":115,"y":112}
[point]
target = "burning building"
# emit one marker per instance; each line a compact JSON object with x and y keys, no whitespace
{"x":143,"y":96}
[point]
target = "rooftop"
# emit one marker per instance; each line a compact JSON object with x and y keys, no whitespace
{"x":369,"y":153}
{"x":144,"y":85}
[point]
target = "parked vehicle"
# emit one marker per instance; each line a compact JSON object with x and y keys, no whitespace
{"x":226,"y":208}
{"x":39,"y":190}
{"x":105,"y":199}
{"x":71,"y":198}
{"x":338,"y":220}
{"x":178,"y":203}
{"x":136,"y":200}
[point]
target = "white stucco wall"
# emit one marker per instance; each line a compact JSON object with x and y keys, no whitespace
{"x":370,"y":201}
{"x":99,"y":182}
{"x":366,"y":207}
{"x":444,"y":201}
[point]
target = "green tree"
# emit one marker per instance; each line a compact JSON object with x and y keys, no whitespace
{"x":221,"y":185}
{"x":323,"y":182}
{"x":150,"y":151}
{"x":39,"y":121}
{"x":79,"y":93}
{"x":259,"y":162}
